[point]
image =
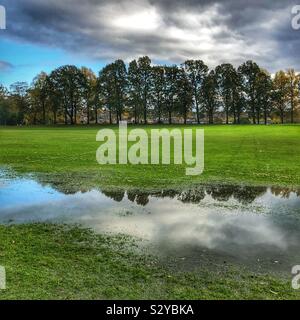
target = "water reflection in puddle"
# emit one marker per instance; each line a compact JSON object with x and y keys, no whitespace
{"x":250,"y":225}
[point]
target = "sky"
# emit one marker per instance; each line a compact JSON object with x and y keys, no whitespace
{"x":42,"y":35}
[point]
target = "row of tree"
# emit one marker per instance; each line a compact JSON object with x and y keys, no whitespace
{"x":147,"y":93}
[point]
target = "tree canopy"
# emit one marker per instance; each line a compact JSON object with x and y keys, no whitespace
{"x":141,"y":92}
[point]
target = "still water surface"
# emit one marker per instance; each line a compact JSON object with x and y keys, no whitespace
{"x":253,"y":226}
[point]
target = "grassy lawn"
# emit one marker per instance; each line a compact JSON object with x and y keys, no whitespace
{"x":259,"y":155}
{"x":60,"y":262}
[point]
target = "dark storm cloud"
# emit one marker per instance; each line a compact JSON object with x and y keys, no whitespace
{"x":166,"y":30}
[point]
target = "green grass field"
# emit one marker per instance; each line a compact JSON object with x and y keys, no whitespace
{"x":259,"y":155}
{"x":60,"y":262}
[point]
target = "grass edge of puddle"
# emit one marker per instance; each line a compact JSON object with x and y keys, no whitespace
{"x":48,"y":261}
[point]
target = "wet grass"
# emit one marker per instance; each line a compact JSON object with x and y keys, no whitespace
{"x":251,"y":155}
{"x":60,"y":262}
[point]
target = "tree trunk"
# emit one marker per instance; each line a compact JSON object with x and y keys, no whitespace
{"x":170,"y":117}
{"x":71,"y":114}
{"x":75,"y":114}
{"x":88,"y":113}
{"x":266,"y":117}
{"x":54,"y":117}
{"x":210,"y":118}
{"x":96,"y":115}
{"x":44,"y":112}
{"x":145,"y":115}
{"x":198,"y":115}
{"x":159,"y":113}
{"x":253,"y":112}
{"x":135,"y":114}
{"x":66,"y":117}
{"x":282,"y":117}
{"x":72,"y":118}
{"x":197,"y":105}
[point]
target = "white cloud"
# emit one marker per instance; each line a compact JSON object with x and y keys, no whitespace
{"x":214,"y":31}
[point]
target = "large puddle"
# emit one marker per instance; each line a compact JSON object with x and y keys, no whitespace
{"x":258,"y":227}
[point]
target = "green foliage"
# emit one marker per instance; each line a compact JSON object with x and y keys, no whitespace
{"x":210,"y":95}
{"x":113,"y":86}
{"x":70,"y":85}
{"x":142,"y":92}
{"x":249,"y":72}
{"x":230,"y":88}
{"x":196,"y":72}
